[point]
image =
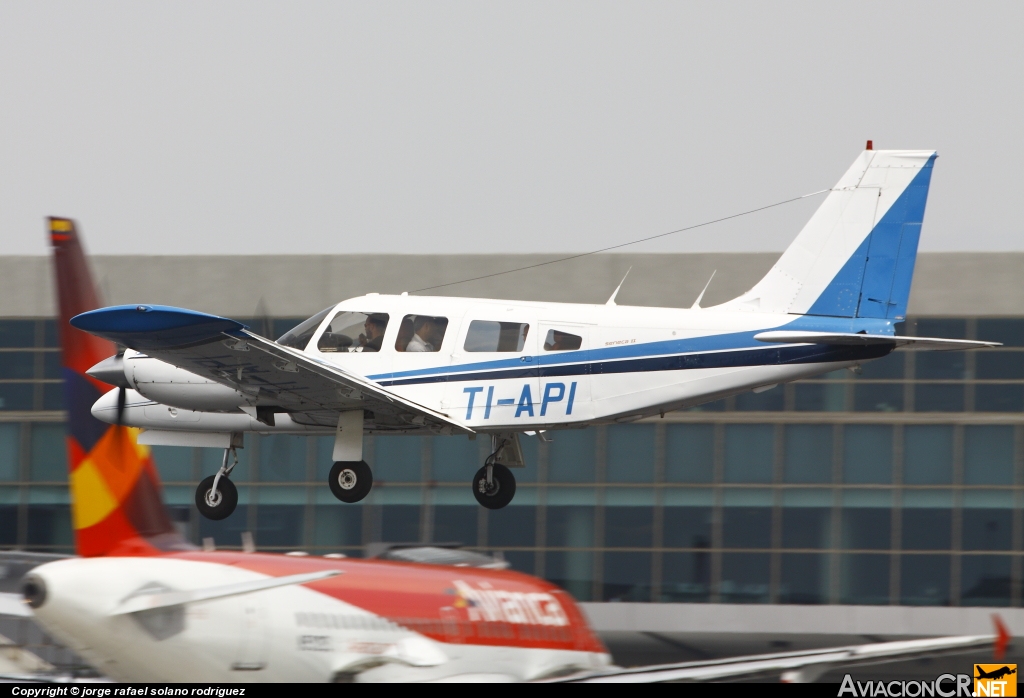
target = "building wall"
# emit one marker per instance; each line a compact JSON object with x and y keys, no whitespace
{"x":902,"y":484}
{"x":957,"y":284}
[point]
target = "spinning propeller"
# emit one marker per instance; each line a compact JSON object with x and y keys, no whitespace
{"x":261,"y":323}
{"x":111,"y":370}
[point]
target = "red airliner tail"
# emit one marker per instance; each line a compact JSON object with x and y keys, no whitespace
{"x":116,"y":501}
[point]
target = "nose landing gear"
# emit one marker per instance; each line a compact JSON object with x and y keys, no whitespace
{"x":217,"y":496}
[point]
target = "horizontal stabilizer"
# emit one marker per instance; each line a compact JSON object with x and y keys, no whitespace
{"x":861,"y":340}
{"x":164,"y":599}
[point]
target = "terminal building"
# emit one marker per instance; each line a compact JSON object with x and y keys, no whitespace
{"x":897,"y":485}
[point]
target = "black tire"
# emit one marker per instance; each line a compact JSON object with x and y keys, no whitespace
{"x":502,"y":490}
{"x":227,"y":494}
{"x":350,"y":481}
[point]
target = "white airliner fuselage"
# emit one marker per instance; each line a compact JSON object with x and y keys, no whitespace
{"x":435,"y":626}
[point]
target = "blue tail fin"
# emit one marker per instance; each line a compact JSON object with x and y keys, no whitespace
{"x":855,"y":257}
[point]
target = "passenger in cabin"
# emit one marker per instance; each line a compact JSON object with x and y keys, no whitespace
{"x":428,"y":334}
{"x":374,"y":326}
{"x":405,"y":333}
{"x":561,"y":341}
{"x":420,"y":341}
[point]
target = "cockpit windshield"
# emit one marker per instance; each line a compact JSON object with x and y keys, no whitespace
{"x":298,"y":337}
{"x":354,"y":332}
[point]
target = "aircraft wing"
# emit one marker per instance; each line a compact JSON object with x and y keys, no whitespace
{"x":852,"y":339}
{"x":225,"y":351}
{"x":14,"y":605}
{"x":797,"y":667}
{"x":149,"y":600}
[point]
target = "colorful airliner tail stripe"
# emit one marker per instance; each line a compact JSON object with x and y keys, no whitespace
{"x":116,"y":501}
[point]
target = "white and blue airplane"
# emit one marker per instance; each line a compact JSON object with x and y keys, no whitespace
{"x":387,"y":364}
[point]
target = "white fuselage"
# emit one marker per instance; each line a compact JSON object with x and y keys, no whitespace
{"x":630,"y":362}
{"x":285,"y":634}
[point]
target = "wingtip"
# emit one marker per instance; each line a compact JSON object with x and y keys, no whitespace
{"x":146,"y":327}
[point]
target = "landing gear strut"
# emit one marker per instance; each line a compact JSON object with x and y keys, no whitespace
{"x":494,"y":486}
{"x":216,"y":496}
{"x":350,"y":481}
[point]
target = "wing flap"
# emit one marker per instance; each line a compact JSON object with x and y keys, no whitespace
{"x":860,"y":340}
{"x":271,"y":375}
{"x":357,"y":386}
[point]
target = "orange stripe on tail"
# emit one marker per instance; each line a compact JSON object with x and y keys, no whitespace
{"x":116,"y":502}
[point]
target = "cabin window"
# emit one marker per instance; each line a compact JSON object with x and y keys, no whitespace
{"x":354,"y":333}
{"x":558,"y":340}
{"x":298,"y":337}
{"x":421,"y":333}
{"x":487,"y":335}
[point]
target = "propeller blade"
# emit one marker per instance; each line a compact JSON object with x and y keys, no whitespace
{"x":122,"y":394}
{"x":261,"y":323}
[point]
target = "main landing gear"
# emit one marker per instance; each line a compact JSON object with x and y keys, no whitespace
{"x":494,"y":486}
{"x":216,"y":496}
{"x":350,"y":481}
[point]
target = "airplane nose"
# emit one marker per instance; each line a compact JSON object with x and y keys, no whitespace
{"x":105,"y":409}
{"x":33,"y":591}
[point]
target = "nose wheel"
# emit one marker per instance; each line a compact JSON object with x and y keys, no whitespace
{"x":217,"y":496}
{"x":494,"y":486}
{"x":216,"y":504}
{"x":350,"y":481}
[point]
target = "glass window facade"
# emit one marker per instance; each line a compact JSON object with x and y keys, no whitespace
{"x":899,"y":484}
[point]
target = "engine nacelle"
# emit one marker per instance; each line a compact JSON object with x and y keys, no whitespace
{"x":161,"y":382}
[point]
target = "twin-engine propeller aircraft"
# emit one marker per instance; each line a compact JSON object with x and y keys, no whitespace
{"x":140,"y":603}
{"x":384,"y":364}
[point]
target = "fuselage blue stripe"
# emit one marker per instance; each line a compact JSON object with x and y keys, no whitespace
{"x":771,"y":356}
{"x":691,"y":345}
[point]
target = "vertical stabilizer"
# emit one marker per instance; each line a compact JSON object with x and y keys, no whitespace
{"x":116,"y":502}
{"x":855,"y":257}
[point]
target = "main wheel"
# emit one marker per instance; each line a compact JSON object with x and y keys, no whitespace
{"x":501,"y":490}
{"x":350,"y":481}
{"x":222,"y":504}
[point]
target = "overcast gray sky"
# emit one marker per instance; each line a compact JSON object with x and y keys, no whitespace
{"x":333,"y":127}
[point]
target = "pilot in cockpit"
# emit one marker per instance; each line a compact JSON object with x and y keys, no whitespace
{"x":374,"y":326}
